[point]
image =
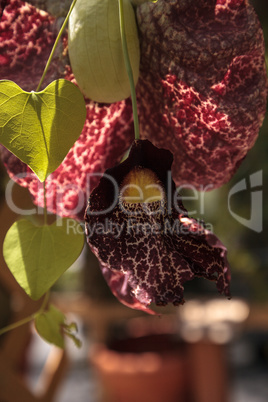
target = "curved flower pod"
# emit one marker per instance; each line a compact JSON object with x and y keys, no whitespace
{"x":149,"y":244}
{"x":203,"y":85}
{"x":201,"y":94}
{"x":95,"y":49}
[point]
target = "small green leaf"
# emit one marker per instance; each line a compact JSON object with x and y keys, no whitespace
{"x":38,"y":255}
{"x":41,"y":127}
{"x":68,"y":331}
{"x":49,"y":326}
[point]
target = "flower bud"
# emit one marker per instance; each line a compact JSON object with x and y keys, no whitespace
{"x":95,"y":49}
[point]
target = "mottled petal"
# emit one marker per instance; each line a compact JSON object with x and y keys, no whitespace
{"x":26,"y":38}
{"x":203,"y":85}
{"x":118,"y":283}
{"x":154,"y":245}
{"x":105,"y":137}
{"x":209,"y":255}
{"x":3,"y":4}
{"x":201,"y":94}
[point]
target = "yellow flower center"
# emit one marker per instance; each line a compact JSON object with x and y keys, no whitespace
{"x":141,"y":185}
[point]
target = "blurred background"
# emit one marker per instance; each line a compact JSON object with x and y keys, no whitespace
{"x":217,"y":349}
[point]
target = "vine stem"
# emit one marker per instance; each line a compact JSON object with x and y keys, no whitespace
{"x":129,"y":70}
{"x":41,"y":82}
{"x":55,"y":45}
{"x":26,"y":319}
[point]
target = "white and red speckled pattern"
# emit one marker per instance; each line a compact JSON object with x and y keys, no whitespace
{"x":201,"y":94}
{"x":147,"y":253}
{"x":156,"y":265}
{"x":26,"y":39}
{"x":25,"y":42}
{"x":203,"y":87}
{"x":105,"y":137}
{"x":119,"y":284}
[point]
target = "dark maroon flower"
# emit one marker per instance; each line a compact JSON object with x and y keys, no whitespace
{"x":26,"y":38}
{"x":3,"y":4}
{"x":201,"y":94}
{"x":203,"y":85}
{"x":120,"y":287}
{"x":142,"y":235}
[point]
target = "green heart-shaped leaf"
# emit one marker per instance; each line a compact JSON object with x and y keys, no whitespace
{"x":38,"y":255}
{"x":41,"y":127}
{"x":51,"y":326}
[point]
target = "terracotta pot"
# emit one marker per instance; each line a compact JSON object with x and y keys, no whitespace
{"x":144,"y":369}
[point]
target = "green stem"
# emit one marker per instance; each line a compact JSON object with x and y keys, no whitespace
{"x":26,"y":319}
{"x":129,"y":70}
{"x":42,"y":79}
{"x":55,"y":45}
